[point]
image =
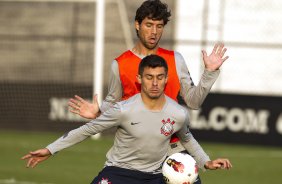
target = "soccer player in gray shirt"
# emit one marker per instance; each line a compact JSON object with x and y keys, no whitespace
{"x":145,"y":123}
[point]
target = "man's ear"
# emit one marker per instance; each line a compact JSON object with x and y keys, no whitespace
{"x":137,"y":25}
{"x":138,"y":77}
{"x":166,"y":79}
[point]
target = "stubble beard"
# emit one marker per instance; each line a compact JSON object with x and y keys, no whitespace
{"x":154,"y":96}
{"x":147,"y":45}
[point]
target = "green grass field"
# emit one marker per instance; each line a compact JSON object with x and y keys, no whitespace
{"x":80,"y":163}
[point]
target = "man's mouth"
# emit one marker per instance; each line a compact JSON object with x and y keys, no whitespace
{"x":152,"y":40}
{"x":154,"y":91}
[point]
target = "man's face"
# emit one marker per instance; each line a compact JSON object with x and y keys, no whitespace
{"x":150,"y":32}
{"x":153,"y":81}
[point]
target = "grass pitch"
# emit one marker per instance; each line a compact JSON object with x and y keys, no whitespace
{"x":82,"y":162}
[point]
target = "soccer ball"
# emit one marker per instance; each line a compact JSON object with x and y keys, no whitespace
{"x":180,"y":168}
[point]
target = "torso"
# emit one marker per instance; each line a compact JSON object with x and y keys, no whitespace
{"x":142,"y":139}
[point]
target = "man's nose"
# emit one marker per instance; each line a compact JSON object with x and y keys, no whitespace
{"x":154,"y":29}
{"x":155,"y":82}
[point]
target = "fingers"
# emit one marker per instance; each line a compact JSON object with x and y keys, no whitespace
{"x":217,"y":165}
{"x":223,"y":52}
{"x":204,"y":53}
{"x":75,"y":105}
{"x":228,"y":164}
{"x":219,"y":49}
{"x":220,"y":163}
{"x":26,"y":156}
{"x":34,"y":158}
{"x":30,"y":155}
{"x":29,"y":162}
{"x":95,"y":98}
{"x":32,"y":162}
{"x":79,"y":99}
{"x":224,"y":59}
{"x":215,"y":48}
{"x":75,"y":111}
{"x":224,"y":163}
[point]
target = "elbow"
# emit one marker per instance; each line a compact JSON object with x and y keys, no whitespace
{"x":194,"y":106}
{"x":194,"y":101}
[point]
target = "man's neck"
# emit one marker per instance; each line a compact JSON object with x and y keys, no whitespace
{"x":153,"y":104}
{"x":139,"y":49}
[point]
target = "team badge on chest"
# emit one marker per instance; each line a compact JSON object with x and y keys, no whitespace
{"x":167,"y":128}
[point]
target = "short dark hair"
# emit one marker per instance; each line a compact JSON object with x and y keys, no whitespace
{"x":153,"y":9}
{"x":152,"y":61}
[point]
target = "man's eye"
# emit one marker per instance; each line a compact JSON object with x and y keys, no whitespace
{"x":160,"y":77}
{"x":160,"y":26}
{"x":149,"y":77}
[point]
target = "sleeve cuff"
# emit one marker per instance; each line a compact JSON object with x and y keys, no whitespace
{"x":52,"y":151}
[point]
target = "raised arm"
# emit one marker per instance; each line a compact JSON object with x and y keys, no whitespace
{"x":115,"y":89}
{"x":194,"y":95}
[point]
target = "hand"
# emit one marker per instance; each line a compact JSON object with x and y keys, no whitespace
{"x":215,"y":59}
{"x":35,"y":157}
{"x":83,"y":108}
{"x":220,"y":163}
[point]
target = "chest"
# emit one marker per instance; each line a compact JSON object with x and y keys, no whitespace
{"x":152,"y":125}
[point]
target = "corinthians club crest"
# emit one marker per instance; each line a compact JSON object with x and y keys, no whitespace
{"x":167,"y":127}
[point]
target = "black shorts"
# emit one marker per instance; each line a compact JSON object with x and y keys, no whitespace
{"x":116,"y":175}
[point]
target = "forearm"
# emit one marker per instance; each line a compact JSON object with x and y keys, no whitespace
{"x":71,"y":138}
{"x":194,"y":96}
{"x":107,"y":120}
{"x":196,"y":151}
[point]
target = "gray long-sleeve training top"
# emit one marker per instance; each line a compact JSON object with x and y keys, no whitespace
{"x":142,"y":136}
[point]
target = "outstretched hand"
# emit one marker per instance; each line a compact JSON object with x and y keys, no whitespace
{"x":35,"y":157}
{"x":84,"y":108}
{"x":216,"y":58}
{"x":221,"y":163}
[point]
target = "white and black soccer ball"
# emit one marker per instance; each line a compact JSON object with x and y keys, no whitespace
{"x":180,"y":168}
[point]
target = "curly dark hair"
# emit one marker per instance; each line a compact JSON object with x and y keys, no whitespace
{"x":153,"y":9}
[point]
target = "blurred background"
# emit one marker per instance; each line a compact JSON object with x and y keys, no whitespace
{"x":48,"y":55}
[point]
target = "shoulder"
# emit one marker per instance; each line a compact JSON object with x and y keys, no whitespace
{"x":124,"y":55}
{"x":170,"y":52}
{"x":179,"y":58}
{"x":174,"y":106}
{"x":178,"y":55}
{"x":166,"y":51}
{"x":176,"y":111}
{"x":131,"y":102}
{"x":167,"y":54}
